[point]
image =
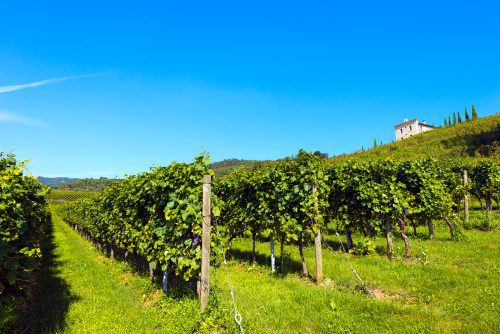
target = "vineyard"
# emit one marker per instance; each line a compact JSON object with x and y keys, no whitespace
{"x":328,"y":218}
{"x":158,"y":214}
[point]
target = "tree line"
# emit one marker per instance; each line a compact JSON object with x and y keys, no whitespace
{"x":457,"y":118}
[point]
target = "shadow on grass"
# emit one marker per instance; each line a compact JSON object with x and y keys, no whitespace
{"x":289,"y":265}
{"x":177,"y":288}
{"x":482,"y":144}
{"x":52,"y":295}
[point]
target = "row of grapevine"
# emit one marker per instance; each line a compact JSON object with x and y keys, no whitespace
{"x":156,"y":215}
{"x":288,"y":199}
{"x":485,"y":183}
{"x":294,"y":198}
{"x":24,"y":217}
{"x":374,"y":196}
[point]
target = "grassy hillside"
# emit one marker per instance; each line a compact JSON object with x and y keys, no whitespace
{"x":470,"y":140}
{"x":466,"y":141}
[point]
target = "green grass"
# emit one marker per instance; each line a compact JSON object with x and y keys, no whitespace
{"x":454,"y":288}
{"x":81,"y":291}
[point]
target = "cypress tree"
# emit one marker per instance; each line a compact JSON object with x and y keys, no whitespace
{"x":375,"y":143}
{"x":454,"y":118}
{"x":459,"y":118}
{"x":381,"y":143}
{"x":474,"y":113}
{"x":466,"y":114}
{"x":445,"y":122}
{"x":449,"y":121}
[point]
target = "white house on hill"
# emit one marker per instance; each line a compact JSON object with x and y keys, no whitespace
{"x":411,"y":127}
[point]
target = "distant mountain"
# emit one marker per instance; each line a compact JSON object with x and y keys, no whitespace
{"x":55,"y":182}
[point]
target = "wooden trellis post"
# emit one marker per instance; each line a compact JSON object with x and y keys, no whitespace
{"x":317,"y":239}
{"x":205,"y":244}
{"x":466,"y":200}
{"x":273,"y":259}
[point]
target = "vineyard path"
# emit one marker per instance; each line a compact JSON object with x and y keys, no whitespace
{"x":81,"y":291}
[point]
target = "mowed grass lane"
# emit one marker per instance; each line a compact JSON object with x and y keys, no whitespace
{"x":81,"y":291}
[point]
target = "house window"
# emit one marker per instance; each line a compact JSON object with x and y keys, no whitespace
{"x":401,"y":130}
{"x":410,"y":127}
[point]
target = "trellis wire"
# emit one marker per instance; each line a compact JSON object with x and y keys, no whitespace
{"x":350,"y":263}
{"x":237,"y":317}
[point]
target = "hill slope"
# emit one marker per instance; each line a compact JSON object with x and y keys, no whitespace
{"x":467,"y":141}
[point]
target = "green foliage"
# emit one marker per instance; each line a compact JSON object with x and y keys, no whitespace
{"x":485,"y":178}
{"x":486,"y":221}
{"x":57,"y":196}
{"x":425,"y":180}
{"x":278,"y":198}
{"x":156,"y":214}
{"x":23,"y":218}
{"x":363,"y":247}
{"x":474,"y":112}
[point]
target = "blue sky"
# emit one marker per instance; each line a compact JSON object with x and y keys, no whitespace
{"x":144,"y":83}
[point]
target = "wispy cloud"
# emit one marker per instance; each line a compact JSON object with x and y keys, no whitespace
{"x":10,"y":117}
{"x":12,"y":88}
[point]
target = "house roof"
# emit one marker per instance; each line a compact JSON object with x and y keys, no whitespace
{"x":406,"y":123}
{"x":427,"y":125}
{"x":413,"y":121}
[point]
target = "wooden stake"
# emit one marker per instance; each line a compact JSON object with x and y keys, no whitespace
{"x":317,"y":239}
{"x":273,"y":259}
{"x":402,"y":226}
{"x":388,"y":236}
{"x":466,"y":201}
{"x":282,"y":255}
{"x":151,"y":273}
{"x":450,"y":225}
{"x":348,"y":237}
{"x":254,"y":237}
{"x":205,"y":244}
{"x":431,"y":229}
{"x":165,"y":280}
